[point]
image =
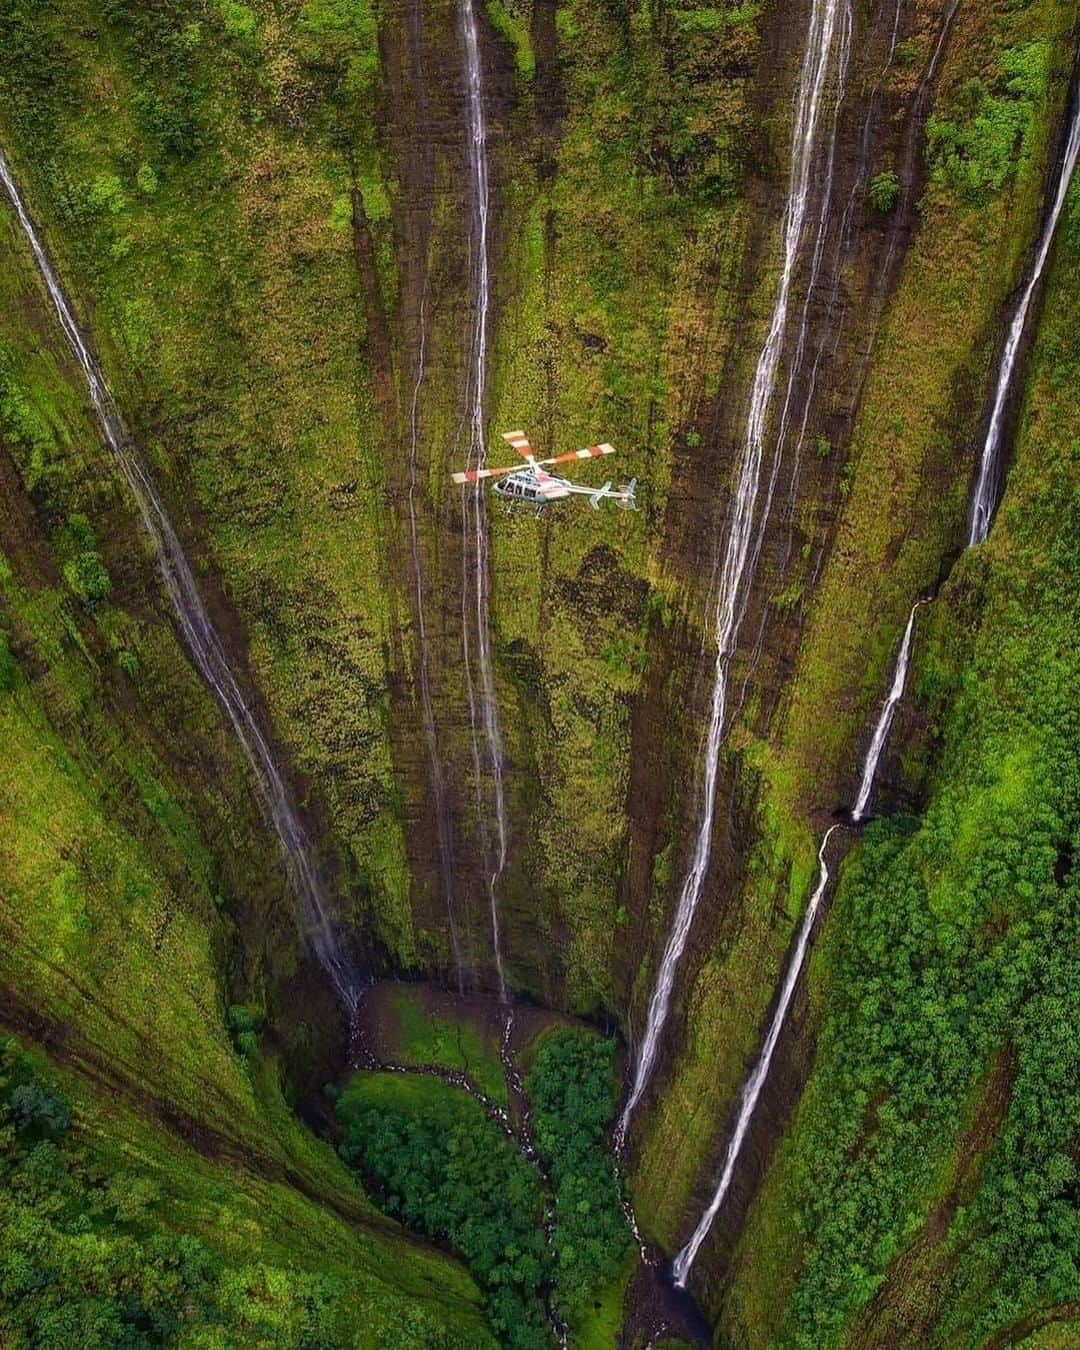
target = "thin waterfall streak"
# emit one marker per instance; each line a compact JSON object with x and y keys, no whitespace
{"x":796,"y":365}
{"x":843,"y":243}
{"x":815,"y":273}
{"x":913,"y":142}
{"x":984,"y":496}
{"x":475,"y":729}
{"x":895,"y":34}
{"x":438,"y":786}
{"x":885,"y":718}
{"x":815,"y":267}
{"x":752,"y":1090}
{"x":981,"y":512}
{"x":476,"y":524}
{"x":200,"y":635}
{"x":828,"y":20}
{"x":755,"y":657}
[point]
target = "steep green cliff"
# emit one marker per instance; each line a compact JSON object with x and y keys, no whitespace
{"x":262,"y":213}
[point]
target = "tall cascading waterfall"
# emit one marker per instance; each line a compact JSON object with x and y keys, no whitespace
{"x":476,"y":587}
{"x":984,"y":498}
{"x":752,"y":1090}
{"x":825,"y":59}
{"x":988,"y":477}
{"x":885,"y":718}
{"x":202,"y":639}
{"x":431,"y":740}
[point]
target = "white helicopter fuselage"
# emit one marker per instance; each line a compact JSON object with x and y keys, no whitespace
{"x":536,"y":489}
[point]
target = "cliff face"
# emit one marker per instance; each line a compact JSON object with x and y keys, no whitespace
{"x":265,"y":216}
{"x":140,"y":900}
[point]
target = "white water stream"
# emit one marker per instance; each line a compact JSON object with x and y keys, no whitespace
{"x":987,"y":481}
{"x":752,"y":1090}
{"x":885,"y":718}
{"x":435,"y":773}
{"x":203,"y":642}
{"x":983,"y":502}
{"x":825,"y":60}
{"x":483,"y":708}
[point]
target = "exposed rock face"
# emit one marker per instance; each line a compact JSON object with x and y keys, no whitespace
{"x":284,"y":307}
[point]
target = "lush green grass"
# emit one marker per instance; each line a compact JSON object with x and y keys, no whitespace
{"x":454,"y":1041}
{"x":599,"y":1325}
{"x":189,"y":173}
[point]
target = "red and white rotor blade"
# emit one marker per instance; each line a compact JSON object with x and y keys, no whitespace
{"x":590,"y":452}
{"x":474,"y":475}
{"x":520,"y":442}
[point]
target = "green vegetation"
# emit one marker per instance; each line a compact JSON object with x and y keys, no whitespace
{"x":9,"y":671}
{"x":439,"y":1164}
{"x":233,"y":194}
{"x":572,"y":1086}
{"x":453,"y":1040}
{"x":85,"y":570}
{"x":155,"y":144}
{"x":986,"y":136}
{"x":89,"y":1257}
{"x":244,"y":1025}
{"x":511,"y":19}
{"x":884,"y":191}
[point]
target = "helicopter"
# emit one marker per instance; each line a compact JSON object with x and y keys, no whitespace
{"x":533,"y":486}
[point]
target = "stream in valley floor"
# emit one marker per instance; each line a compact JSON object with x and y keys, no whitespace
{"x":654,"y":1306}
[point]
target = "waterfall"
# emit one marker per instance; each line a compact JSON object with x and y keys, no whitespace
{"x":987,"y":481}
{"x":438,"y":784}
{"x":752,"y":1091}
{"x":829,"y":28}
{"x":983,"y":502}
{"x":202,"y":639}
{"x":483,"y":712}
{"x":885,"y":717}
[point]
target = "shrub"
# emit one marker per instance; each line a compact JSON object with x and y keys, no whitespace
{"x":85,"y":572}
{"x":979,"y":146}
{"x":884,"y":191}
{"x":244,"y":1023}
{"x":147,"y":180}
{"x":128,"y":662}
{"x":37,"y":1106}
{"x":88,"y":577}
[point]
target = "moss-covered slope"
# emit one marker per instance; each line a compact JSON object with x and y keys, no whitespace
{"x":261,"y":212}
